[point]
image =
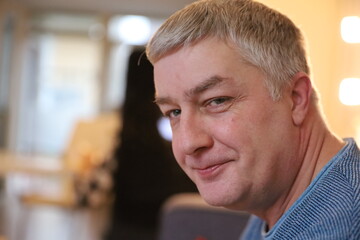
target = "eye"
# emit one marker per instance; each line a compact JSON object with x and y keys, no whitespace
{"x":218,"y":101}
{"x":218,"y":104}
{"x":173,"y":113}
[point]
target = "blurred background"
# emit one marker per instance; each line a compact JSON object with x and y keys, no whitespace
{"x":69,"y":71}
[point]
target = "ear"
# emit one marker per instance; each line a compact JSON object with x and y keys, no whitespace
{"x":301,"y":97}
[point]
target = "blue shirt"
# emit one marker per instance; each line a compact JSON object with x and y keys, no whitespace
{"x":328,"y":209}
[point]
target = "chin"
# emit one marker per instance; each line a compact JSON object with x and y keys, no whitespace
{"x":222,"y":196}
{"x":217,"y":198}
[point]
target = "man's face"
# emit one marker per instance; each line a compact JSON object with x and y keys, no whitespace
{"x":229,"y":136}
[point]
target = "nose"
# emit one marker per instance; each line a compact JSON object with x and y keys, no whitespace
{"x":193,"y":134}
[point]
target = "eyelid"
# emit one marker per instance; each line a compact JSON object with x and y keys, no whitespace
{"x":211,"y":107}
{"x":168,"y":113}
{"x":224,"y":99}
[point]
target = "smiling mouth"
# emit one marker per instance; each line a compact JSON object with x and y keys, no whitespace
{"x":211,"y":171}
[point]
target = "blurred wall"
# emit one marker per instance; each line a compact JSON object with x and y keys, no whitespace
{"x":13,"y":16}
{"x":331,"y":58}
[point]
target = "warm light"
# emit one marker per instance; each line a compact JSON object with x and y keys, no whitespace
{"x":133,"y":30}
{"x":349,"y":91}
{"x":350,"y":29}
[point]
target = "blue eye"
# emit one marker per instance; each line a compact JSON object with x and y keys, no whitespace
{"x":174,"y":113}
{"x":218,"y":104}
{"x":218,"y":101}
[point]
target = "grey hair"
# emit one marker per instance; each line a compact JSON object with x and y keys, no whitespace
{"x":263,"y":37}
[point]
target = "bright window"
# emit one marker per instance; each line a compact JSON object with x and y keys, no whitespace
{"x":349,"y":91}
{"x":350,"y":29}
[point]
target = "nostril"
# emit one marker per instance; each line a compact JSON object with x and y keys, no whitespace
{"x":195,"y":141}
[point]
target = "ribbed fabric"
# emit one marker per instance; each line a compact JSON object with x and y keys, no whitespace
{"x":328,"y":209}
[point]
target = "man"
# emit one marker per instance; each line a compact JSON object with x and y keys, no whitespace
{"x":232,"y":77}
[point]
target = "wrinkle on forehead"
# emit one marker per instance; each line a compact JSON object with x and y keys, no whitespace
{"x":203,"y":86}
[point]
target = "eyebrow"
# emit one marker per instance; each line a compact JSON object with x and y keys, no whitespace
{"x":202,"y":87}
{"x":205,"y":85}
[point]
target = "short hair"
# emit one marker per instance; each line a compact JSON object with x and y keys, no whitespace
{"x":264,"y":37}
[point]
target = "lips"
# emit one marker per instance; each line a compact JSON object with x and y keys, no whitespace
{"x":211,"y":171}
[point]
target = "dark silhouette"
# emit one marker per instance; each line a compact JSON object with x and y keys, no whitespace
{"x":147,"y":172}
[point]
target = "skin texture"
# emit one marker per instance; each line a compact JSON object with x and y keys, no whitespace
{"x":243,"y":150}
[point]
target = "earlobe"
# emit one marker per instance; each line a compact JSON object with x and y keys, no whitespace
{"x":301,"y":97}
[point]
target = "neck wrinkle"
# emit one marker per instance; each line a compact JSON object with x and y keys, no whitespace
{"x":317,"y":147}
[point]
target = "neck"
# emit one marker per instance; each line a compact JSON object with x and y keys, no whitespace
{"x":317,"y":147}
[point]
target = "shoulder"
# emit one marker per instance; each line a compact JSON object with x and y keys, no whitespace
{"x":339,"y":185}
{"x":348,"y":169}
{"x":348,"y":163}
{"x":330,"y":207}
{"x":253,"y":229}
{"x":344,"y":176}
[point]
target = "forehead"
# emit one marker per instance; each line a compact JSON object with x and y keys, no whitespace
{"x":197,"y":58}
{"x":189,"y":66}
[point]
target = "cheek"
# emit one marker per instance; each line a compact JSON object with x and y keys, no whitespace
{"x":176,"y":151}
{"x":231,"y":130}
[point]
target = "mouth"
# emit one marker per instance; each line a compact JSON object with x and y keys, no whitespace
{"x":211,"y":171}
